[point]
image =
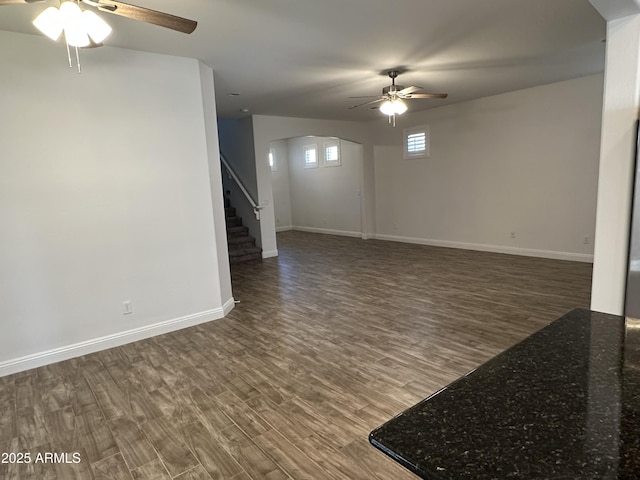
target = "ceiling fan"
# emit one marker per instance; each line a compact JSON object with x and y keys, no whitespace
{"x":393,"y":97}
{"x":83,"y":28}
{"x":130,"y":11}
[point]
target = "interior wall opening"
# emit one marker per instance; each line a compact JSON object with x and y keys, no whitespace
{"x":317,"y":185}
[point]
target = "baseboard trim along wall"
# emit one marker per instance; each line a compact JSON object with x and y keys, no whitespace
{"x":270,"y":253}
{"x":115,"y":340}
{"x":284,"y":229}
{"x":527,"y":252}
{"x":327,"y":231}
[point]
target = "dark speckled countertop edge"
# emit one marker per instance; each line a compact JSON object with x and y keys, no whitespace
{"x":408,"y":464}
{"x":413,"y":467}
{"x":411,"y":457}
{"x":398,"y":458}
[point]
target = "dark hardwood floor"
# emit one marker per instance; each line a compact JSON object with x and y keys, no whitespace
{"x":329,"y":340}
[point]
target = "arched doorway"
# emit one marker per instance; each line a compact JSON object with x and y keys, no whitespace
{"x":317,"y":185}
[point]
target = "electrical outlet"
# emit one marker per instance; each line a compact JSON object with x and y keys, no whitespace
{"x":587,"y":240}
{"x":127,"y":307}
{"x":513,"y":234}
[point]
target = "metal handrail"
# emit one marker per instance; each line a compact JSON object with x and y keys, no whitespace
{"x":256,"y":207}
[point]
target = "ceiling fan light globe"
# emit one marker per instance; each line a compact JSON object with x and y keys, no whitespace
{"x":387,"y":108}
{"x":95,"y":26}
{"x":399,"y":107}
{"x":70,"y":12}
{"x":74,"y":28}
{"x":50,"y":23}
{"x":76,"y":36}
{"x":74,"y":32}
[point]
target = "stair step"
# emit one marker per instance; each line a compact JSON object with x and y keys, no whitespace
{"x":241,"y":242}
{"x":234,"y":221}
{"x":233,"y":232}
{"x":242,"y":246}
{"x":242,"y":255}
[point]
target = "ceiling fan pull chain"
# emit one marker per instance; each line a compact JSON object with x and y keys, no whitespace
{"x":76,"y":47}
{"x":78,"y":60}
{"x":68,"y":52}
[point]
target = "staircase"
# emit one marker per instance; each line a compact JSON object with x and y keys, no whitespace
{"x":242,"y":246}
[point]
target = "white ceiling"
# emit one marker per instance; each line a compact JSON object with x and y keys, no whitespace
{"x":304,"y":58}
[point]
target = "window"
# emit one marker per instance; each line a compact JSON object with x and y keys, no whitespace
{"x":332,"y":153}
{"x":417,"y":142}
{"x":272,"y":160}
{"x":310,"y":156}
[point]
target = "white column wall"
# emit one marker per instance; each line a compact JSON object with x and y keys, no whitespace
{"x":617,"y":156}
{"x":105,"y":197}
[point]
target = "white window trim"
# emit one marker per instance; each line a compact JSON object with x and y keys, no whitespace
{"x":427,"y":141}
{"x":331,"y":163}
{"x":310,"y":146}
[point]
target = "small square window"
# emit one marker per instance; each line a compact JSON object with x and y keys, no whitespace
{"x":417,"y":142}
{"x":310,"y":156}
{"x":332,"y":154}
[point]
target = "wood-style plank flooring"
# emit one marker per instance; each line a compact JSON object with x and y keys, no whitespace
{"x":329,"y":340}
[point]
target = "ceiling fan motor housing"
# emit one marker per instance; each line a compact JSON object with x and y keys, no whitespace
{"x":392,"y":89}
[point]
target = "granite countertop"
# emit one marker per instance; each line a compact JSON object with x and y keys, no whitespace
{"x":562,"y":404}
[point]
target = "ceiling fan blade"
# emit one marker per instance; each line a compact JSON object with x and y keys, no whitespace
{"x":368,"y":103}
{"x":369,"y":96}
{"x":147,"y":15}
{"x":408,"y":90}
{"x":14,"y":2}
{"x":427,"y":95}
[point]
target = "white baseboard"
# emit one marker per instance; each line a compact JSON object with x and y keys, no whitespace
{"x":227,"y":307}
{"x":270,"y":253}
{"x":115,"y":340}
{"x":327,"y":231}
{"x":527,"y":252}
{"x":284,"y":229}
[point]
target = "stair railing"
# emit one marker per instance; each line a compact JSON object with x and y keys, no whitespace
{"x":256,"y":207}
